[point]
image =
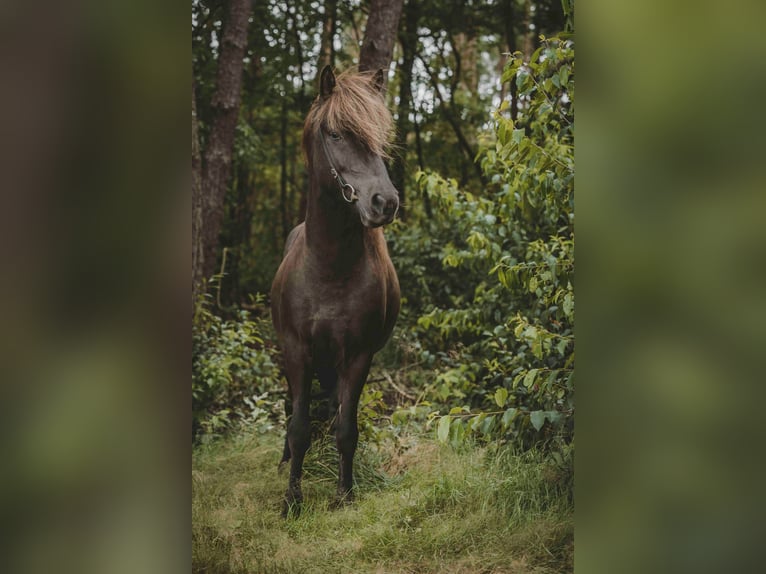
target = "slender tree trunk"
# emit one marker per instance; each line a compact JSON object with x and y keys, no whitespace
{"x":380,"y":35}
{"x":283,"y":170}
{"x":293,"y":184}
{"x":528,"y":35}
{"x":243,"y":218}
{"x":298,"y":51}
{"x":408,"y":38}
{"x":452,"y":120}
{"x":509,"y":16}
{"x":225,"y":111}
{"x":421,"y":165}
{"x":327,"y":49}
{"x":197,"y":253}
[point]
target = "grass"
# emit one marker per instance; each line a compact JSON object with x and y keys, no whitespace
{"x":421,"y":507}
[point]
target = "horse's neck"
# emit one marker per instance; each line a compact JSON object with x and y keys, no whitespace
{"x":335,"y":236}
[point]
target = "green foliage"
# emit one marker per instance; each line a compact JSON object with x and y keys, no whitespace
{"x":235,"y":378}
{"x":489,"y":278}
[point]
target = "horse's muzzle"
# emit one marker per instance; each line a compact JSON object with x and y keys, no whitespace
{"x":384,"y":208}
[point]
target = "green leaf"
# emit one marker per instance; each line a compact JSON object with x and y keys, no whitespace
{"x":508,"y":416}
{"x":554,"y":417}
{"x":457,"y":432}
{"x":501,"y":395}
{"x":476,"y":422}
{"x":530,"y":333}
{"x":442,"y":432}
{"x":517,"y":136}
{"x":568,"y":304}
{"x":537,"y":418}
{"x":488,"y":424}
{"x":529,"y":378}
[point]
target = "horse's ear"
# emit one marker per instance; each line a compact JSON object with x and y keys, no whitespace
{"x":326,"y":82}
{"x":379,"y":81}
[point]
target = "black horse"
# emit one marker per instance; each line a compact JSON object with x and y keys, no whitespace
{"x":335,"y":297}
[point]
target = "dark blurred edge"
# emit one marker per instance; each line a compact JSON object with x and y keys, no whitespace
{"x":94,"y":239}
{"x":95,"y":295}
{"x":671,"y":249}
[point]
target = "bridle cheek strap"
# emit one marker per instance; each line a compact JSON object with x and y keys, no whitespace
{"x":342,"y":183}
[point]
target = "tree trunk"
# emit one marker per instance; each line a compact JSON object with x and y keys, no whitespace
{"x":421,"y":164}
{"x":528,"y":36}
{"x":197,"y":255}
{"x":380,"y":35}
{"x":283,"y":170}
{"x":509,"y":16}
{"x":453,"y":121}
{"x":327,"y":49}
{"x":225,"y":111}
{"x":408,"y":38}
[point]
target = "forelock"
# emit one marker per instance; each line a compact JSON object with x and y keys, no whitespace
{"x":354,"y":106}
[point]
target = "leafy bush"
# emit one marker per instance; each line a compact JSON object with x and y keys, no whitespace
{"x":489,"y":279}
{"x":235,"y":378}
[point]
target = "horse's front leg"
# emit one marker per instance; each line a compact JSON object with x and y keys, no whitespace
{"x":298,"y":428}
{"x":288,"y":417}
{"x":350,"y":384}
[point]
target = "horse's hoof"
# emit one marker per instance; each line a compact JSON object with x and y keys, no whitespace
{"x":342,"y":500}
{"x":291,"y":509}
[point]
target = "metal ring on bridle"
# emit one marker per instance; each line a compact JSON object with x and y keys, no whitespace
{"x":351,"y":198}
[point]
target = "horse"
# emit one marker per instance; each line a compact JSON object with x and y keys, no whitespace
{"x":335,"y":297}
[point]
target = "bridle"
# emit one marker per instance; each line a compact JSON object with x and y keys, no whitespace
{"x":342,"y":183}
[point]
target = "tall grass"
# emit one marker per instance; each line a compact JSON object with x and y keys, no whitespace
{"x":421,"y":507}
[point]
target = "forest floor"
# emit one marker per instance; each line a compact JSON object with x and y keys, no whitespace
{"x":421,"y":507}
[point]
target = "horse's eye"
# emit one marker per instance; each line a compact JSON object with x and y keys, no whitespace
{"x":335,"y":136}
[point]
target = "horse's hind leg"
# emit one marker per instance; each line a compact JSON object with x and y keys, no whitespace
{"x":298,"y":429}
{"x":350,"y":384}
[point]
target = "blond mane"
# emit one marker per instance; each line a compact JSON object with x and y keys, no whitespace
{"x":353,"y":106}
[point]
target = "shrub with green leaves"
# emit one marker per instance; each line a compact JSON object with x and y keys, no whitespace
{"x":235,"y":378}
{"x":496,"y":314}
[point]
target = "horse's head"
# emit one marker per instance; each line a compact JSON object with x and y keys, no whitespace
{"x":345,"y":138}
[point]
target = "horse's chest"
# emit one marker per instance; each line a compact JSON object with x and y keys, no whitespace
{"x":346,"y":316}
{"x":345,"y":313}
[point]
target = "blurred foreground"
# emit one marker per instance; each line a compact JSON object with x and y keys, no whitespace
{"x":95,"y":304}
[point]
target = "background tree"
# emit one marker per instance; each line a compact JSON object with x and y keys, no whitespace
{"x":197,"y":250}
{"x":380,"y":34}
{"x":216,"y":166}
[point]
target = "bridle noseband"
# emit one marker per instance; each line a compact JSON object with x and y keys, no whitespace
{"x":338,"y":177}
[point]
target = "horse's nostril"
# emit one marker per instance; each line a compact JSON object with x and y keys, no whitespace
{"x":377,"y":201}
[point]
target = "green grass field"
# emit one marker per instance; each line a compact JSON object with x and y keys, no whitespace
{"x":421,"y":507}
